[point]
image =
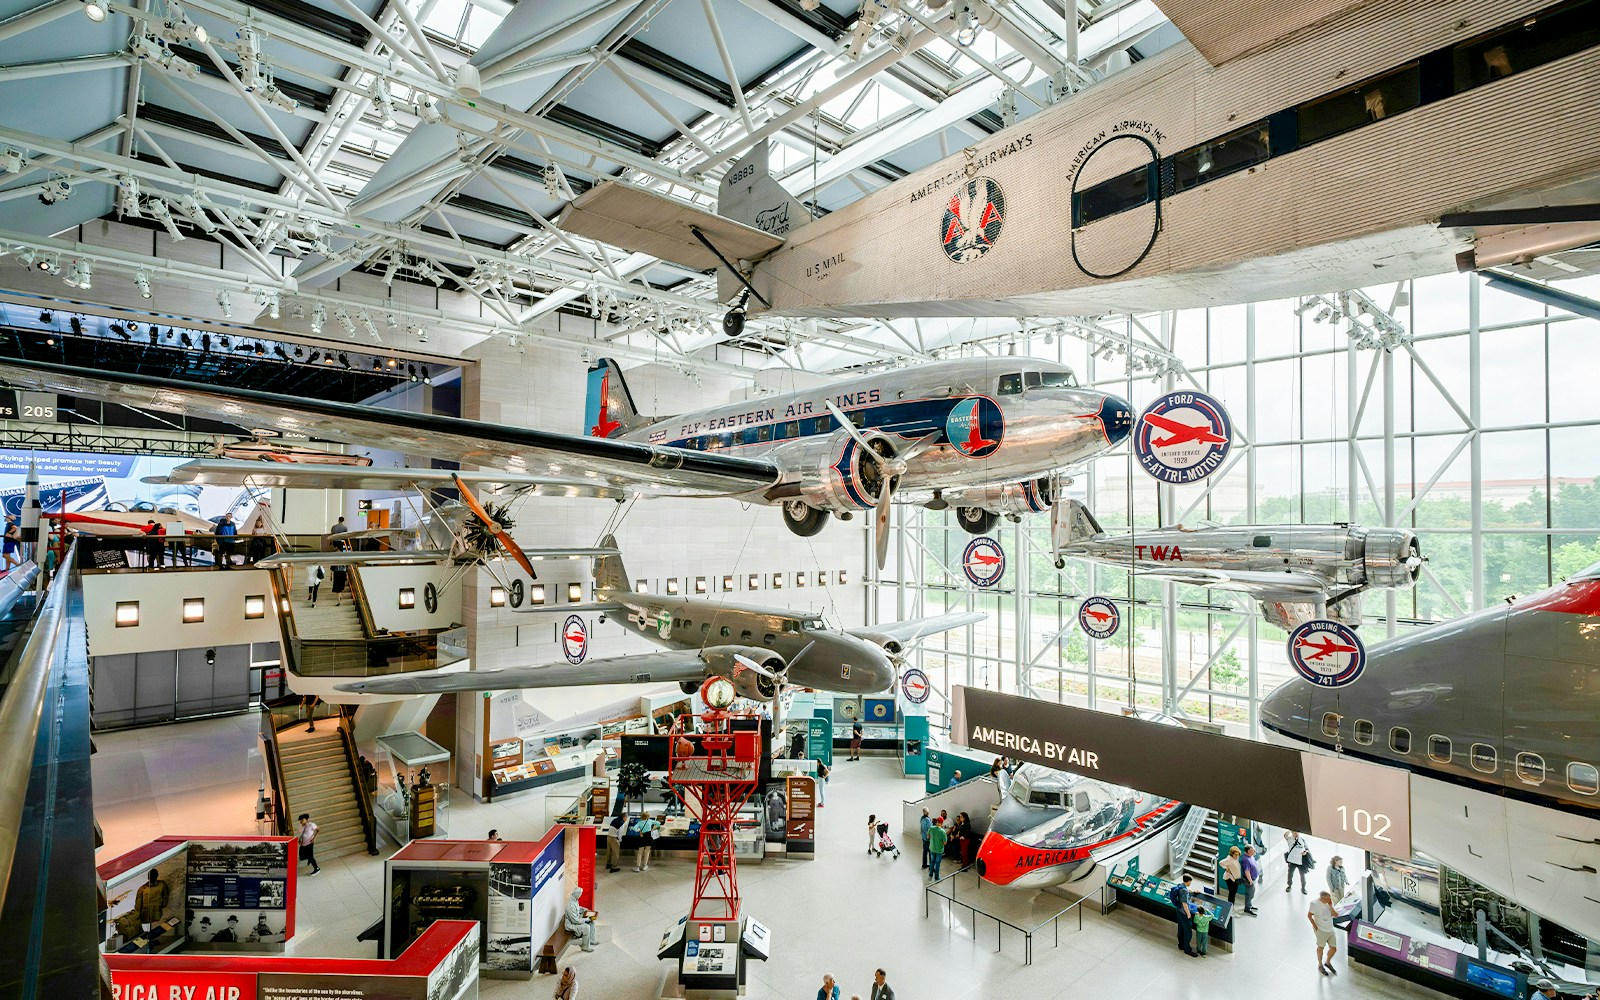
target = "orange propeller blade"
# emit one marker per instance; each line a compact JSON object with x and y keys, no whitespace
{"x":499,"y":533}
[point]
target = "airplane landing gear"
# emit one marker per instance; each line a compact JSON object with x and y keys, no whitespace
{"x":733,"y":322}
{"x":803,"y":519}
{"x":938,"y":502}
{"x":976,"y":520}
{"x":1060,"y":563}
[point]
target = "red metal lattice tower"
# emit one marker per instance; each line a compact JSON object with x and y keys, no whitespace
{"x":713,"y":772}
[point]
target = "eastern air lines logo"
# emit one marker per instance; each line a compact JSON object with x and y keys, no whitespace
{"x":973,"y":218}
{"x":1183,"y":437}
{"x":975,"y":427}
{"x":1099,"y":617}
{"x":575,"y":639}
{"x":983,"y":562}
{"x":1327,"y":654}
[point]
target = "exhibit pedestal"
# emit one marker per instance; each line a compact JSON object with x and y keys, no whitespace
{"x":712,"y":956}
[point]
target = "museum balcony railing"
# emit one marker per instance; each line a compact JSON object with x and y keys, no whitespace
{"x":375,"y":657}
{"x":104,"y":553}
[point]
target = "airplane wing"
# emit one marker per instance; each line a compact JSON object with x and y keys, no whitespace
{"x":915,"y":628}
{"x":638,"y":220}
{"x":622,"y":465}
{"x":635,"y":668}
{"x":1290,"y":586}
{"x":307,"y":475}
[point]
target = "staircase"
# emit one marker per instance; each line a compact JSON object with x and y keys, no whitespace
{"x":317,"y":777}
{"x":1202,"y":859}
{"x":327,"y":620}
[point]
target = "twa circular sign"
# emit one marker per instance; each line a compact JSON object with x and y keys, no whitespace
{"x":574,"y":639}
{"x":1099,"y":617}
{"x":1328,"y":654}
{"x":983,"y":562}
{"x":974,"y":214}
{"x":1182,"y":437}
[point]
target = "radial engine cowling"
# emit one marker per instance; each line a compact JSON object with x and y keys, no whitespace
{"x":1391,"y":557}
{"x":723,"y":661}
{"x":890,"y":645}
{"x":1031,"y":496}
{"x":838,"y":478}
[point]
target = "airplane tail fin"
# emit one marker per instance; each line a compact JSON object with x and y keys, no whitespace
{"x":1072,"y":523}
{"x":610,"y":576}
{"x":751,"y":195}
{"x":608,"y":408}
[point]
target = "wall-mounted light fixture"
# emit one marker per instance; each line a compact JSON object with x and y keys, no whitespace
{"x":127,"y":614}
{"x":408,"y":598}
{"x":672,"y":585}
{"x":641,"y":586}
{"x":536,"y":594}
{"x":574,"y":593}
{"x":255,"y":606}
{"x":800,"y":579}
{"x":194,"y":610}
{"x":777,"y":581}
{"x":497,"y":597}
{"x":727,"y":584}
{"x":699,"y":584}
{"x":754,"y":582}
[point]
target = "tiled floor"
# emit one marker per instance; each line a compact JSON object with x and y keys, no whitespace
{"x":844,"y":912}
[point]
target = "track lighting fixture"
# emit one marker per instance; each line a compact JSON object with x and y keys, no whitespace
{"x":390,"y":322}
{"x":162,"y":214}
{"x":95,"y":10}
{"x":344,"y":359}
{"x":319,"y":316}
{"x":49,"y":263}
{"x":26,"y":256}
{"x":383,"y":105}
{"x":345,"y":321}
{"x":118,"y":330}
{"x":193,"y":208}
{"x":278,"y":99}
{"x":427,"y":377}
{"x":259,"y":349}
{"x":46,"y":316}
{"x":142,"y":281}
{"x":268,"y":298}
{"x":392,"y":266}
{"x":12,"y":161}
{"x":225,"y":303}
{"x":128,"y":196}
{"x":186,"y":340}
{"x":312,"y":358}
{"x":179,"y":28}
{"x":79,"y":274}
{"x":411,"y":370}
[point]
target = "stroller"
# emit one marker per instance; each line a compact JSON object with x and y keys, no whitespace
{"x":885,"y":842}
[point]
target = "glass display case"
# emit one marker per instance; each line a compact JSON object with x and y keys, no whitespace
{"x":412,"y":782}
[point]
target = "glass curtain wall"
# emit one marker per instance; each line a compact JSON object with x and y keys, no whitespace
{"x":1442,"y":405}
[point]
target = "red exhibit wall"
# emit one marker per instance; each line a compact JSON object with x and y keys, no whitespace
{"x":119,"y":868}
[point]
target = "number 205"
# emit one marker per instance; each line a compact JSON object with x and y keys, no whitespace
{"x":1365,"y":824}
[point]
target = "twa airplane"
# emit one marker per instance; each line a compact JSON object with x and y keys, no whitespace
{"x":984,"y":435}
{"x":1497,"y":717}
{"x":1298,"y":572}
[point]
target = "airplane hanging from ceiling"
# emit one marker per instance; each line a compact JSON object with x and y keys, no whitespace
{"x":1298,"y":572}
{"x":1305,"y":165}
{"x":758,"y":649}
{"x":984,"y":435}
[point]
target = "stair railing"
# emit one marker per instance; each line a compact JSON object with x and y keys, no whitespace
{"x":369,"y":822}
{"x":1188,"y":834}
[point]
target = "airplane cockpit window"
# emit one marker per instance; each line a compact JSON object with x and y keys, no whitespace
{"x":1030,"y":380}
{"x":1044,"y":799}
{"x":790,"y":625}
{"x":1530,"y":768}
{"x":1010,"y":385}
{"x":814,"y":625}
{"x":1583,"y":778}
{"x":1057,"y":380}
{"x":726,"y":631}
{"x":1080,"y":802}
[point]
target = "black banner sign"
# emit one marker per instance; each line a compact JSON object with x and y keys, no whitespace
{"x":1349,"y":802}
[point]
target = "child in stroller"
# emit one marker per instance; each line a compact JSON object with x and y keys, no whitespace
{"x":885,"y":842}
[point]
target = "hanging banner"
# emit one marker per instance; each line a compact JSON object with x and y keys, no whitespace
{"x":983,"y":562}
{"x":1182,"y":437}
{"x":1327,"y":653}
{"x":1099,"y":617}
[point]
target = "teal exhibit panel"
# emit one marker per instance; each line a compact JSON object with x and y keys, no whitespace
{"x":914,"y":745}
{"x":819,"y":735}
{"x":943,"y":763}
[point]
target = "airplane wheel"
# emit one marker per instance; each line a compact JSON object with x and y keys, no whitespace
{"x":1061,"y":564}
{"x":803,"y":519}
{"x":733,"y":322}
{"x":976,"y":520}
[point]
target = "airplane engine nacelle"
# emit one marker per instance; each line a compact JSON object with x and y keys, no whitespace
{"x":840,"y":479}
{"x":890,"y":645}
{"x":723,"y":662}
{"x":1031,"y":496}
{"x":1391,"y":557}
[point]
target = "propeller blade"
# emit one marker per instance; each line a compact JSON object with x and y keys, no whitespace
{"x":850,"y":429}
{"x":885,"y":498}
{"x":499,"y":533}
{"x":917,"y":447}
{"x":754,"y":667}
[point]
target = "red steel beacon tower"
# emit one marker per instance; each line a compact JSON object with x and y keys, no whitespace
{"x":713,"y":771}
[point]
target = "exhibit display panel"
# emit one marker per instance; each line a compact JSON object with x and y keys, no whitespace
{"x":406,"y":806}
{"x":234,"y":894}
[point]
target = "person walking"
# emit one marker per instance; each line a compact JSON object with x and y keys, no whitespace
{"x":1250,"y":868}
{"x":955,"y":779}
{"x":881,"y":990}
{"x":924,"y":824}
{"x":1321,"y":916}
{"x":308,"y":842}
{"x":856,"y":732}
{"x":341,"y":576}
{"x":614,"y":843}
{"x":647,"y":828}
{"x":829,"y":990}
{"x":1338,"y":878}
{"x":1232,"y":873}
{"x":314,"y":578}
{"x":1183,"y":902}
{"x":1298,"y":858}
{"x":567,"y":988}
{"x":938,"y":837}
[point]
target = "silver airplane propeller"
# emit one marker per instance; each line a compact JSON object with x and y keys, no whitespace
{"x":891,"y":467}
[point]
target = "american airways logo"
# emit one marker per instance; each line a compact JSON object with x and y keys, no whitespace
{"x":1003,"y":740}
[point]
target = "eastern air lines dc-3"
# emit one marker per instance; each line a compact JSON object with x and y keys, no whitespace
{"x":983,"y":435}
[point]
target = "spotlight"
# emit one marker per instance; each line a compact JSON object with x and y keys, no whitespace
{"x":186,"y":340}
{"x":260,"y":350}
{"x":394,"y":363}
{"x":225,"y":302}
{"x":53,"y":190}
{"x":383,"y":105}
{"x":95,"y":10}
{"x":388,"y":273}
{"x":372,"y":328}
{"x":12,"y":161}
{"x":116,"y":329}
{"x":78,"y":274}
{"x":194,"y":210}
{"x":278,"y":99}
{"x":313,"y":358}
{"x":411,"y":370}
{"x":427,"y":379}
{"x":46,"y":316}
{"x":327,"y":359}
{"x":344,"y":359}
{"x":269,"y":298}
{"x":128,"y":196}
{"x":390,"y":322}
{"x":319,"y":316}
{"x":345,"y":321}
{"x":49,"y":263}
{"x":77,"y":326}
{"x":143,"y":281}
{"x":377,"y":365}
{"x":26,"y":256}
{"x":205,"y":343}
{"x":162,"y":214}
{"x":49,"y":341}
